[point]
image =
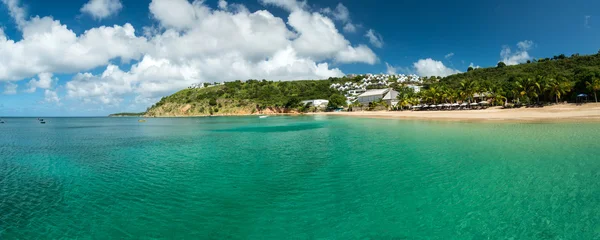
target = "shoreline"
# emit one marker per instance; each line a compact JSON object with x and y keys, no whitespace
{"x":589,"y":112}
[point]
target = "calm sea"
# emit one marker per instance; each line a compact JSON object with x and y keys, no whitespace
{"x":311,"y":177}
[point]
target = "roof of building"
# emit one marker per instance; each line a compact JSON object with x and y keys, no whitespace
{"x":391,"y":95}
{"x":374,"y":92}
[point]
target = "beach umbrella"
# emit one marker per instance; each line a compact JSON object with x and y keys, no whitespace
{"x":455,"y":104}
{"x":474,"y":104}
{"x":464,"y":104}
{"x":484,"y":103}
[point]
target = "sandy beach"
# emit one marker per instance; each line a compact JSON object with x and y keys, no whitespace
{"x":562,"y":112}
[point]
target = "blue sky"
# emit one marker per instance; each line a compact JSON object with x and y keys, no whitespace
{"x":79,"y":76}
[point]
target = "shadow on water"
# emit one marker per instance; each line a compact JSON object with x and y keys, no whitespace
{"x":271,"y":129}
{"x":25,"y":198}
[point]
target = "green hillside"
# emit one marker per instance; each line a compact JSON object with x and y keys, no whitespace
{"x":536,"y":82}
{"x":247,"y":97}
{"x":540,"y":81}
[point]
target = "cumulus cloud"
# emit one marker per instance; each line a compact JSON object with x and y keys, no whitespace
{"x":100,"y":9}
{"x":361,"y":53}
{"x":189,"y":43}
{"x":17,"y":12}
{"x":222,"y":4}
{"x":473,"y":66}
{"x":49,"y":46}
{"x":519,"y":56}
{"x":390,"y":69}
{"x":51,"y":96}
{"x":449,"y":55}
{"x":290,"y":5}
{"x":44,"y":81}
{"x":10,"y":88}
{"x":430,"y":67}
{"x":374,"y":38}
{"x":341,"y":14}
{"x":350,"y":28}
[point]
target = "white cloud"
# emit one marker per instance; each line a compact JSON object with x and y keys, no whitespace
{"x":473,"y":66}
{"x":390,"y":69}
{"x":44,"y":81}
{"x":341,"y":13}
{"x":361,"y":53}
{"x":430,"y":67}
{"x":100,"y":9}
{"x":222,"y":4}
{"x":319,"y":39}
{"x":10,"y":88}
{"x":16,"y":12}
{"x":51,"y":96}
{"x":49,"y":46}
{"x":189,"y":43}
{"x":153,"y":77}
{"x":374,"y":38}
{"x":520,"y":56}
{"x":449,"y":55}
{"x":349,"y":28}
{"x":525,"y":45}
{"x":290,"y":5}
{"x":178,"y":14}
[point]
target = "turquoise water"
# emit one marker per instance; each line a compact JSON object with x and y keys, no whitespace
{"x":310,"y":177}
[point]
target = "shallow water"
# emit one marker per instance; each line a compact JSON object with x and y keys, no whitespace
{"x":313,"y":177}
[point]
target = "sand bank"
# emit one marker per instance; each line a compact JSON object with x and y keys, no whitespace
{"x":562,"y":112}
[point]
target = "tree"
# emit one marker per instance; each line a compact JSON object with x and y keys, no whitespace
{"x":336,"y":100}
{"x":212,"y":102}
{"x":469,"y":69}
{"x":293,"y":102}
{"x":528,"y":61}
{"x":501,"y":64}
{"x":405,"y":96}
{"x":558,"y":87}
{"x":594,"y":86}
{"x":467,"y":89}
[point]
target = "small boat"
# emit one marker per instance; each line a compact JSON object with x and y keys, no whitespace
{"x":40,"y":119}
{"x":42,"y":122}
{"x":1,"y":121}
{"x":263,"y":116}
{"x":142,"y":120}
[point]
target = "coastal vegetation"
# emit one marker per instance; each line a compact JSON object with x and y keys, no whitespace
{"x":537,"y":82}
{"x":534,"y":83}
{"x":127,"y":114}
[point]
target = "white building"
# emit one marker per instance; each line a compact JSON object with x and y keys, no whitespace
{"x":319,"y":103}
{"x":374,"y":95}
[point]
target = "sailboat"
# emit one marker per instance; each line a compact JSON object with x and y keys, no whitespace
{"x":263,"y":116}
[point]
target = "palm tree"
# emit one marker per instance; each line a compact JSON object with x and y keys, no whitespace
{"x":594,"y":86}
{"x":529,"y":87}
{"x":558,"y":87}
{"x":467,"y":89}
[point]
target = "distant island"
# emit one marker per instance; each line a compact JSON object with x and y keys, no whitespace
{"x":536,"y":83}
{"x":126,"y":114}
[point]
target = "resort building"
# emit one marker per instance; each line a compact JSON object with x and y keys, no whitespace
{"x":389,"y":95}
{"x":319,"y":103}
{"x":353,"y":89}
